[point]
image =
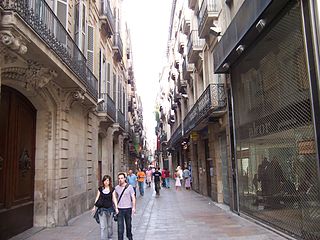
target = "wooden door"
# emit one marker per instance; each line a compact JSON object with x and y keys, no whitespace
{"x":17,"y":164}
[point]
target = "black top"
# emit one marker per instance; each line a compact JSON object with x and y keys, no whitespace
{"x":157,"y":176}
{"x":106,"y":198}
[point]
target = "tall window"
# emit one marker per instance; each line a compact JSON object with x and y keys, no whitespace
{"x":62,"y":15}
{"x":123,"y":100}
{"x":80,"y":25}
{"x":103,"y":77}
{"x":90,"y":47}
{"x":109,"y":79}
{"x":114,"y":86}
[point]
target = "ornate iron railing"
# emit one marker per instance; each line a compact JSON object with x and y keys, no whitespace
{"x":175,"y":136}
{"x":212,"y":99}
{"x":106,"y":10}
{"x":118,"y":45}
{"x":207,"y":7}
{"x":39,"y":16}
{"x":121,"y":119}
{"x":108,"y":106}
{"x":194,"y":42}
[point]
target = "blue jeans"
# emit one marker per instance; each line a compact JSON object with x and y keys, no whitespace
{"x":125,"y":215}
{"x":141,"y":188}
{"x":106,"y":225}
{"x":167,"y":180}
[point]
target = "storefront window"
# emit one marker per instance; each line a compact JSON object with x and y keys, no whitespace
{"x":275,"y":138}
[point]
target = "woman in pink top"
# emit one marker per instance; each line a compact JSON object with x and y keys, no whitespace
{"x":149,"y":177}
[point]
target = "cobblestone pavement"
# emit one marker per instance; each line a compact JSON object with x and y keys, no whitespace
{"x":172,"y":215}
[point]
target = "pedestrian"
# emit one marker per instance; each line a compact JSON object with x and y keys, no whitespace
{"x":103,"y":208}
{"x":186,"y":177}
{"x":157,"y":180}
{"x":178,"y":181}
{"x":180,"y":174}
{"x":163,"y":177}
{"x":167,"y":179}
{"x":125,"y":206}
{"x":132,"y":180}
{"x":149,"y":177}
{"x":141,"y":176}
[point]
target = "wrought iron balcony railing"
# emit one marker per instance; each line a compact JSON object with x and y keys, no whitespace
{"x":118,"y":47}
{"x":110,"y":20}
{"x":39,"y":16}
{"x":212,"y":99}
{"x":187,"y":69}
{"x":108,"y":106}
{"x":209,"y":11}
{"x":194,"y":46}
{"x":121,"y":119}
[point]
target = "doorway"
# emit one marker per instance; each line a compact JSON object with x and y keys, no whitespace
{"x":17,"y":162}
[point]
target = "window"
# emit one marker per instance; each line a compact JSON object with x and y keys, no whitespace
{"x":90,"y":48}
{"x":108,"y":80}
{"x":114,"y":86}
{"x":80,"y":25}
{"x":103,"y":77}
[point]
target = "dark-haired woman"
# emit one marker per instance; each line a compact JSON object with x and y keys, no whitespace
{"x":105,"y":202}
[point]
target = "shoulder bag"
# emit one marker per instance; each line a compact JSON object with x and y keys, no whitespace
{"x":115,"y":216}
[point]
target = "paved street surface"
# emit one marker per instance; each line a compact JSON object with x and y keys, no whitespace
{"x":171,"y":216}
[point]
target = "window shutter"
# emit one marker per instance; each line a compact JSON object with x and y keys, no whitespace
{"x":90,"y":48}
{"x":108,"y":80}
{"x":62,"y":9}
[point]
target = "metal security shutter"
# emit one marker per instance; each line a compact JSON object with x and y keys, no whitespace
{"x":275,"y":138}
{"x":224,"y":167}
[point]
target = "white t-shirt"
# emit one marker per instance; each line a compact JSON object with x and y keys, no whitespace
{"x":126,"y":199}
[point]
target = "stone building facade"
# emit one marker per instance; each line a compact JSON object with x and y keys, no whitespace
{"x":64,"y":118}
{"x":245,"y":107}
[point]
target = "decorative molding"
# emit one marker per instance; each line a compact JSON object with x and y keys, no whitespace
{"x":15,"y":43}
{"x":33,"y":76}
{"x":71,"y":97}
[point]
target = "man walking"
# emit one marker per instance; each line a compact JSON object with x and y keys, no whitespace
{"x":157,"y":180}
{"x":132,"y":180}
{"x":125,"y":206}
{"x":141,"y":176}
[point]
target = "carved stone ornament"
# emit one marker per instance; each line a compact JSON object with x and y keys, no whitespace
{"x":14,"y":43}
{"x":33,"y":76}
{"x":71,"y":97}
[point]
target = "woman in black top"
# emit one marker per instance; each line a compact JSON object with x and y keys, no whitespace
{"x":103,"y":207}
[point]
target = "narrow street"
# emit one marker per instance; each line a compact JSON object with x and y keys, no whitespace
{"x":173,"y":215}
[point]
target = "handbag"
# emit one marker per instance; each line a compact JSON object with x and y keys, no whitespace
{"x":99,"y":202}
{"x":115,"y":216}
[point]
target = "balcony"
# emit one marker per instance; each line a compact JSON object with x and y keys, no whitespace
{"x":176,"y":136}
{"x":42,"y":20}
{"x":186,"y":22}
{"x":194,"y":46}
{"x":118,"y":47}
{"x":182,"y":86}
{"x":163,"y":137}
{"x":212,"y":100}
{"x":192,"y":4}
{"x":108,"y":107}
{"x":121,"y":119}
{"x":107,"y":19}
{"x":187,"y":69}
{"x":209,"y":12}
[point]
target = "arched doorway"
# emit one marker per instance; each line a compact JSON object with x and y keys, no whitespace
{"x":17,"y":162}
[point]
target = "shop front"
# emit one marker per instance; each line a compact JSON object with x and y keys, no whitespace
{"x":275,"y":137}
